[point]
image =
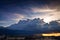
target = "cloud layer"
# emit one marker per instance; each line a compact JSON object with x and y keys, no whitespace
{"x":36,"y":25}
{"x":11,"y":11}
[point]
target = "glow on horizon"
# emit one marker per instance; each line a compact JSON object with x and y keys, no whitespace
{"x":51,"y":34}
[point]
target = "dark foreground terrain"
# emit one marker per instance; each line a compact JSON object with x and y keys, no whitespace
{"x":2,"y":37}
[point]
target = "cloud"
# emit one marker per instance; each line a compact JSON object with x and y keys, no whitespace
{"x":28,"y":24}
{"x":47,"y":10}
{"x":7,"y":23}
{"x":43,"y":10}
{"x":46,"y":13}
{"x":36,"y":25}
{"x":17,"y":17}
{"x":10,"y":19}
{"x":54,"y":26}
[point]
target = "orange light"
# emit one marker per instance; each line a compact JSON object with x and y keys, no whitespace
{"x":51,"y":34}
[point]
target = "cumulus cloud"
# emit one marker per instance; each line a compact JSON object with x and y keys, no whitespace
{"x":36,"y":25}
{"x":28,"y":24}
{"x":54,"y":26}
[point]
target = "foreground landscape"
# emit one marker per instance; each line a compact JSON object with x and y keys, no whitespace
{"x":3,"y":37}
{"x":49,"y":36}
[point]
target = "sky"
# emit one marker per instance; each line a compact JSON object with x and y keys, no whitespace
{"x":12,"y":11}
